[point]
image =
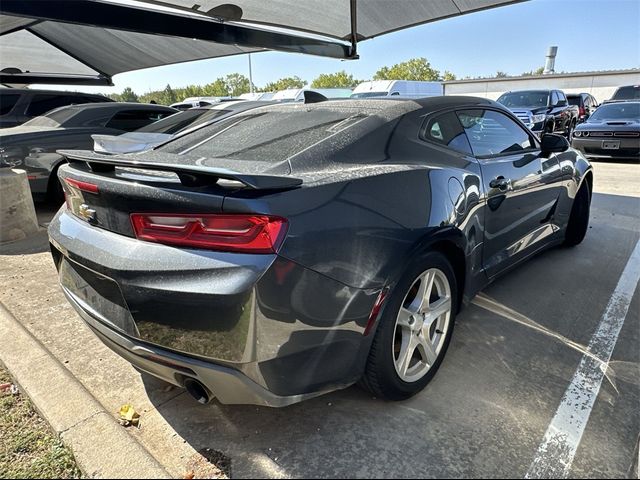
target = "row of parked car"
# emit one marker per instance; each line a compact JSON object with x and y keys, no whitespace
{"x":43,"y":122}
{"x":598,"y":131}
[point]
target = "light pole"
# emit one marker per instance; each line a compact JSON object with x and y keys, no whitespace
{"x":250,"y":76}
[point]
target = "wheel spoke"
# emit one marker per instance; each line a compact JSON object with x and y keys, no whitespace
{"x":424,"y":292}
{"x":406,"y":352}
{"x":427,"y":350}
{"x":439,"y":308}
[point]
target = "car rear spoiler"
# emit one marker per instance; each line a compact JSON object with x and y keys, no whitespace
{"x":189,"y":175}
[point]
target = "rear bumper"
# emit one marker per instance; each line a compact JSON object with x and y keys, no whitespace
{"x":228,"y":385}
{"x":262,"y":330}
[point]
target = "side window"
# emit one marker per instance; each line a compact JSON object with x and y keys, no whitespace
{"x":130,"y":120}
{"x":445,"y":129}
{"x":7,"y":102}
{"x":562,"y":97}
{"x":395,"y":93}
{"x":493,"y":133}
{"x":554,"y":98}
{"x":41,"y":104}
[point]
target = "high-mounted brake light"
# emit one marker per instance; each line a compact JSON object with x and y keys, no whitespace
{"x":84,"y":186}
{"x":231,"y":233}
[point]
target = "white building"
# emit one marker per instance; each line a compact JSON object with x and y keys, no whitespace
{"x":600,"y":84}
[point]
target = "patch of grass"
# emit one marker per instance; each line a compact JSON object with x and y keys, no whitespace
{"x":28,"y":448}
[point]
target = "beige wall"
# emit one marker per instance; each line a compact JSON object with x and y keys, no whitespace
{"x":599,"y":85}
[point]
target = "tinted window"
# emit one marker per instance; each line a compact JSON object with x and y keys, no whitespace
{"x":8,"y":101}
{"x":524,"y":99}
{"x":44,"y":103}
{"x":617,"y":111}
{"x":187,"y":119}
{"x":272,"y":136}
{"x":54,"y":118}
{"x":493,"y":133}
{"x":130,"y":120}
{"x":631,"y":92}
{"x":575,"y":100}
{"x":446,"y":130}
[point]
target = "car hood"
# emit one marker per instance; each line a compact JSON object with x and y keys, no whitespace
{"x":622,"y":124}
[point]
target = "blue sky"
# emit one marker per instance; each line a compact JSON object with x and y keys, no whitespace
{"x":590,"y":34}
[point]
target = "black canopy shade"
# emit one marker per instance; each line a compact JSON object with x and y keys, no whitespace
{"x":89,"y":41}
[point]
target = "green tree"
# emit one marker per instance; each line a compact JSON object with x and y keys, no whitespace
{"x":283,"y":84}
{"x":237,"y":84}
{"x":128,"y":95}
{"x":537,"y":71}
{"x":414,"y":69}
{"x":501,"y":74}
{"x":335,"y":80}
{"x":217,"y":88}
{"x":168,"y":96}
{"x":447,"y":76}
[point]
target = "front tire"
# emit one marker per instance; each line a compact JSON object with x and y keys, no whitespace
{"x":579,"y":218}
{"x":414,"y":331}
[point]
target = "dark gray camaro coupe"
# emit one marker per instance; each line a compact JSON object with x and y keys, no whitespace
{"x":295,"y":249}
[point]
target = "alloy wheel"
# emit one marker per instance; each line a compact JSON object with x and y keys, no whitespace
{"x":421,"y":325}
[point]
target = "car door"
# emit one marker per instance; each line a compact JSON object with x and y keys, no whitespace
{"x":521,"y":187}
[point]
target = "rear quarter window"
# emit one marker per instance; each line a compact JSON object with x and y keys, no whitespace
{"x":446,"y":130}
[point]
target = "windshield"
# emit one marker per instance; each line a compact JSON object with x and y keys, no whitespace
{"x":529,"y":99}
{"x":272,"y":136}
{"x":631,"y":92}
{"x":617,"y":111}
{"x":368,"y":94}
{"x":183,"y":120}
{"x":55,"y":118}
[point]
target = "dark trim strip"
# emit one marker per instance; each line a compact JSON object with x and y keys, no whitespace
{"x":54,"y":79}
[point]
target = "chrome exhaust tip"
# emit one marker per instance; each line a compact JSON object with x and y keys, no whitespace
{"x":198,"y":391}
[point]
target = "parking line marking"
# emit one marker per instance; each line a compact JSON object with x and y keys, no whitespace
{"x":558,"y":448}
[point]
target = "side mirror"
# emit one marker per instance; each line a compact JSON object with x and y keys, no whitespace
{"x":552,"y":143}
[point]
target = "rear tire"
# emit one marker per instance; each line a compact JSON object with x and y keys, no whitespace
{"x":414,"y":331}
{"x":579,"y":219}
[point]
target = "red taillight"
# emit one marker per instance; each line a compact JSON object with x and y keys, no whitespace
{"x":231,"y":233}
{"x":582,"y":112}
{"x":84,"y":186}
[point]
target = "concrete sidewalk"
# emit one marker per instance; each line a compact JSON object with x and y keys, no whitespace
{"x":100,"y":445}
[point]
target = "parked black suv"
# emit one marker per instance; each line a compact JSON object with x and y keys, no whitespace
{"x":18,"y":105}
{"x":585,"y":102}
{"x":543,"y":111}
{"x":625,"y":94}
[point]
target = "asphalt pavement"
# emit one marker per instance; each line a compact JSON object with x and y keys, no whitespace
{"x":520,"y":355}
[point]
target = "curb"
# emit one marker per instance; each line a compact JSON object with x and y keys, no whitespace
{"x":101,"y":447}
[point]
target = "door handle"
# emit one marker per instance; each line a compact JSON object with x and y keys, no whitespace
{"x":501,"y":183}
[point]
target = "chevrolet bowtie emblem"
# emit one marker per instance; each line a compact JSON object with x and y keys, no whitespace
{"x":89,"y":214}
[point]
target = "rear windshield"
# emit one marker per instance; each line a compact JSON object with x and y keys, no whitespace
{"x":631,"y":92}
{"x":574,"y":100}
{"x":526,"y":99}
{"x":272,"y":136}
{"x":617,"y":111}
{"x":187,"y":119}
